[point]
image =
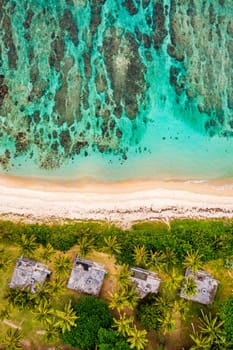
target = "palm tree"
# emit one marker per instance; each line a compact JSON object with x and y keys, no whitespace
{"x":66,"y":318}
{"x":193,"y":261}
{"x":118,"y":300}
{"x":137,"y":338}
{"x":182,"y":307}
{"x":51,"y":332}
{"x":189,"y":287}
{"x":44,"y":312}
{"x":140,"y":256}
{"x":5,"y":312}
{"x":27,"y":244}
{"x":212,"y":328}
{"x":5,"y":260}
{"x":163,"y":303}
{"x":172,"y":283}
{"x":124,"y":324}
{"x":123,"y":276}
{"x":200,"y":342}
{"x":62,"y":266}
{"x":22,"y":298}
{"x":86,"y":245}
{"x":157,"y":260}
{"x":47,"y":252}
{"x":170,"y":258}
{"x":12,"y":339}
{"x":55,"y":287}
{"x":112,"y":246}
{"x":167,"y":322}
{"x":131,"y":296}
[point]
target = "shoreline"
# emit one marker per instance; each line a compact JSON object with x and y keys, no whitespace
{"x":123,"y":202}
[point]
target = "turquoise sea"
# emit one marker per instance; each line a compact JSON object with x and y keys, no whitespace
{"x":116,"y":89}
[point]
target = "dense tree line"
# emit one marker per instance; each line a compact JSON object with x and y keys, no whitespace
{"x":213,"y":238}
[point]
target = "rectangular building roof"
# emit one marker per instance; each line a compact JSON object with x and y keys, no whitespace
{"x":206,"y":287}
{"x":86,"y":276}
{"x":28,"y":273}
{"x":146,"y":281}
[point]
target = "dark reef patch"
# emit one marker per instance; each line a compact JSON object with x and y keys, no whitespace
{"x":160,"y":32}
{"x":3,"y":89}
{"x":28,"y":20}
{"x":130,"y":6}
{"x":125,"y":70}
{"x":206,"y":79}
{"x":68,"y":24}
{"x":9,"y":43}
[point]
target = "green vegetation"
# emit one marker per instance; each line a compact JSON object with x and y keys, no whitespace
{"x":226,"y":314}
{"x":93,"y":314}
{"x":109,"y":339}
{"x":56,"y":315}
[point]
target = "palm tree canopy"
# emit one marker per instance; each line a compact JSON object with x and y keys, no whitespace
{"x":167,"y":322}
{"x":193,"y":260}
{"x":86,"y":244}
{"x":66,"y":318}
{"x":27,"y":244}
{"x":210,"y":335}
{"x":173,"y":281}
{"x":170,"y":258}
{"x":44,"y":312}
{"x":52,"y":333}
{"x":12,"y":339}
{"x":211,"y":327}
{"x":5,"y":311}
{"x":200,"y":342}
{"x":47,"y":252}
{"x":124,"y":324}
{"x":55,"y":287}
{"x":131,"y":296}
{"x":157,"y":260}
{"x":112,"y":245}
{"x":118,"y":300}
{"x":62,"y":265}
{"x":189,"y":286}
{"x":123,"y":276}
{"x":137,"y":338}
{"x":140,"y":256}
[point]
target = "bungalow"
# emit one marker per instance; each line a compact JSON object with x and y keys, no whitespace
{"x":86,"y":276}
{"x":28,"y":273}
{"x":206,"y":287}
{"x":146,"y":281}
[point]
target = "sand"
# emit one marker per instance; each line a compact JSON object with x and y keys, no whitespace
{"x":34,"y":200}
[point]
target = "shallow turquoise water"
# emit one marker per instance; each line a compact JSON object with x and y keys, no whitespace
{"x":116,"y":89}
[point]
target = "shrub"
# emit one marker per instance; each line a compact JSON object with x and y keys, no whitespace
{"x":226,"y":314}
{"x":149,"y":313}
{"x":211,"y":237}
{"x":93,"y":314}
{"x":109,"y":339}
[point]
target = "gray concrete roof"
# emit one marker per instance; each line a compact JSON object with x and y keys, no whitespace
{"x":146,"y":281}
{"x":86,"y":276}
{"x":206,"y":287}
{"x":28,"y":273}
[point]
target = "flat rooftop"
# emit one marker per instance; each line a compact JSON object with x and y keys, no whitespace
{"x":206,"y":287}
{"x":27,"y":273}
{"x":146,"y":281}
{"x":86,"y":276}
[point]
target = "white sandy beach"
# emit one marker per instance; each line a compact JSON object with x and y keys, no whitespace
{"x":123,"y":202}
